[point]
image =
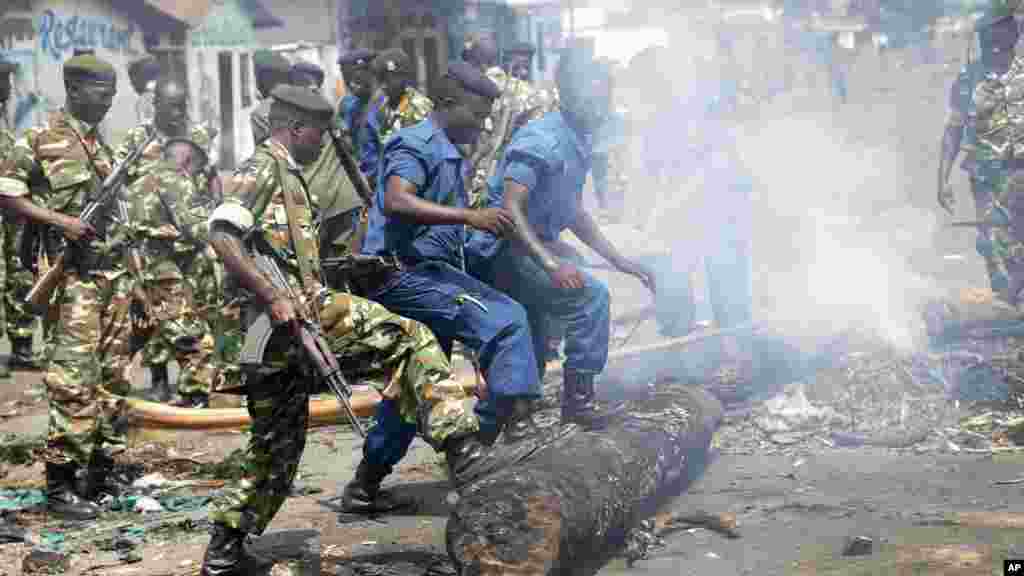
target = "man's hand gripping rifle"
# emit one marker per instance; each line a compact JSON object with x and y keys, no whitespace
{"x":310,"y":334}
{"x":39,"y":296}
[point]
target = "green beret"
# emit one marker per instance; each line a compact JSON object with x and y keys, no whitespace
{"x":89,"y":67}
{"x":270,"y":61}
{"x":303,"y":100}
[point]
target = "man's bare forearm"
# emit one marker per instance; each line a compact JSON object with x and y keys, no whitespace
{"x":400,"y":200}
{"x":516,"y":196}
{"x":587,"y":230}
{"x":26,"y":208}
{"x":237,"y":262}
{"x":952,"y":137}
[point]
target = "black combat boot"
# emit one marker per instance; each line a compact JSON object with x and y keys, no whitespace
{"x":160,"y":389}
{"x":226,"y":555}
{"x":363,"y":494}
{"x":579,"y":402}
{"x":199,"y":400}
{"x":515,"y":417}
{"x":63,"y":497}
{"x":105,"y":479}
{"x":22,"y":355}
{"x":465,"y":456}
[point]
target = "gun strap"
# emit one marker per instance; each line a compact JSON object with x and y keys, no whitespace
{"x":305,"y":252}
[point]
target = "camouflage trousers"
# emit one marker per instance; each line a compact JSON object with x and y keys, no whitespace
{"x":88,"y":352}
{"x":174,"y":328}
{"x":984,"y":193}
{"x":400,"y":357}
{"x":18,"y":280}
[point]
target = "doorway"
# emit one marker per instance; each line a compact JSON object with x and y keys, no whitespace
{"x":225,"y":73}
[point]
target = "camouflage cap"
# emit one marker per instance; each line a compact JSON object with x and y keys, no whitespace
{"x":359,"y":58}
{"x":271,"y":62}
{"x":193,"y":144}
{"x":997,"y":11}
{"x":304,"y":101}
{"x":89,"y":67}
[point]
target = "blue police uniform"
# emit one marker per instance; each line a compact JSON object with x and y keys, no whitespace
{"x":551,"y":161}
{"x":365,"y":137}
{"x":433,"y":288}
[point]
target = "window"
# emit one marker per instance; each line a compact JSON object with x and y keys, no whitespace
{"x":245,"y":67}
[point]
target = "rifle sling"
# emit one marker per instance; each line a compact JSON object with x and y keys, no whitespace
{"x":304,"y":251}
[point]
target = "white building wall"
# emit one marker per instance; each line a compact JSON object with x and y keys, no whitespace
{"x":60,"y":27}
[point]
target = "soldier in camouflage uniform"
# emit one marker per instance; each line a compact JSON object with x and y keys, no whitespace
{"x":168,"y":209}
{"x":271,"y":69}
{"x":170,"y":121}
{"x":18,"y":278}
{"x":6,"y":145}
{"x":334,"y":197}
{"x":979,"y":124}
{"x":520,"y":103}
{"x":48,"y":178}
{"x":369,"y":342}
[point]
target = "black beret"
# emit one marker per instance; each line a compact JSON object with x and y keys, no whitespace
{"x":357,"y":57}
{"x":393,"y":60}
{"x":270,"y":61}
{"x":8,"y":67}
{"x":304,"y":67}
{"x":304,"y":100}
{"x":521,"y":48}
{"x":195,"y":147}
{"x":89,"y":67}
{"x":472,"y":79}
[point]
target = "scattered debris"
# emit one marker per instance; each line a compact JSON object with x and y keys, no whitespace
{"x":723,"y":523}
{"x":45,"y":561}
{"x":146,"y":504}
{"x":858,"y":546}
{"x":19,"y":450}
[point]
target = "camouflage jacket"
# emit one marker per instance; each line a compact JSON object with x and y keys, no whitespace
{"x":6,"y":142}
{"x":60,"y":165}
{"x":413,"y":108}
{"x":520,"y":103}
{"x":152,"y":155}
{"x":259,"y":186}
{"x":999,"y":105}
{"x":259,"y":120}
{"x":167,"y":219}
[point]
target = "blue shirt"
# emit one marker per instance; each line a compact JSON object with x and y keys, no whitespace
{"x":365,"y":138}
{"x":548,"y":158}
{"x":422,"y":155}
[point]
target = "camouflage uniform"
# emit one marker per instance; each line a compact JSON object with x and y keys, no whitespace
{"x":335,"y":201}
{"x":413,"y":108}
{"x":18,"y":320}
{"x":168,"y":214}
{"x":88,"y":347}
{"x":519,"y":104}
{"x":400,"y":357}
{"x":159,"y":349}
{"x":998,"y":138}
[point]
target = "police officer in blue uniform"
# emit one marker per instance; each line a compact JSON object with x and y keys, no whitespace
{"x":419,"y":217}
{"x":354,"y":109}
{"x":540,"y":182}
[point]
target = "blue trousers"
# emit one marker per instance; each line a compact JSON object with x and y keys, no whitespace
{"x":585,"y":313}
{"x":435,"y":293}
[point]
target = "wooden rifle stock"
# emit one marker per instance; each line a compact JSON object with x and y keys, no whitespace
{"x":39,"y":296}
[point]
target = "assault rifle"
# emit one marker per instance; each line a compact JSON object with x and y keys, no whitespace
{"x":260,"y":333}
{"x":39,"y":296}
{"x":348,"y":162}
{"x":340,"y":272}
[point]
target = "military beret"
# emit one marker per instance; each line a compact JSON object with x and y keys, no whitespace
{"x":8,"y":67}
{"x":304,"y":67}
{"x":270,"y":61}
{"x":89,"y":67}
{"x":357,"y":57}
{"x":304,"y":100}
{"x":521,"y":48}
{"x":472,"y":79}
{"x":195,"y":146}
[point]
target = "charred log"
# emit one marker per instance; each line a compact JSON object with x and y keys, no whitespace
{"x":568,"y":504}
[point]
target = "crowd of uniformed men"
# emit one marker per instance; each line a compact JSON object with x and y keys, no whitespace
{"x":469,"y":191}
